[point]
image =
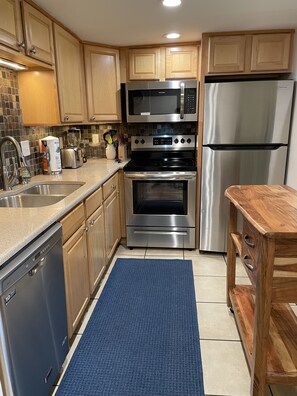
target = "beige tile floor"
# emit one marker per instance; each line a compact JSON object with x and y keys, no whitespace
{"x":225,"y":370}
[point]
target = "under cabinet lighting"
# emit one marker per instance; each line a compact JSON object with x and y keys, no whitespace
{"x":171,"y":3}
{"x":12,"y":65}
{"x":172,"y":35}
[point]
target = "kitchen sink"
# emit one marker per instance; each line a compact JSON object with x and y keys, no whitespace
{"x":41,"y":194}
{"x":29,"y":201}
{"x":53,"y":188}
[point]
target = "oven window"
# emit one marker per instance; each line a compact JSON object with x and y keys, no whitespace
{"x":160,"y":197}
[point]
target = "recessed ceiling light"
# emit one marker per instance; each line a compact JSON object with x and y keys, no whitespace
{"x":171,"y":3}
{"x":172,"y":35}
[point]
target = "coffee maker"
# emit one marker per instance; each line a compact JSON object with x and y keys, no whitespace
{"x":72,"y":156}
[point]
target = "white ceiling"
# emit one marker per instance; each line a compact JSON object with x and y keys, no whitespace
{"x":133,"y":22}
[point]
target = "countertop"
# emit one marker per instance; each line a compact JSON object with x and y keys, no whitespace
{"x":272,"y":209}
{"x":19,"y":226}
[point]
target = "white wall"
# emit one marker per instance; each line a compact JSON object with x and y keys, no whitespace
{"x":292,"y":161}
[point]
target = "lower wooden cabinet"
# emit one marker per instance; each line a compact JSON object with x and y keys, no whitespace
{"x":112,"y":224}
{"x":96,"y":247}
{"x":76,"y":277}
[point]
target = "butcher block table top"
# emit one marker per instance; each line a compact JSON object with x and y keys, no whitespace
{"x":272,"y":210}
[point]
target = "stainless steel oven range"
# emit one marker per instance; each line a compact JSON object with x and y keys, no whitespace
{"x":160,"y":192}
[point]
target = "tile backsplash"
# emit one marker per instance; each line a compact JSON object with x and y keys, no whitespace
{"x":11,"y":125}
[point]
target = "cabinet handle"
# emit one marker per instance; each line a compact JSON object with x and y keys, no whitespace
{"x":21,"y":45}
{"x":246,"y":262}
{"x":86,"y":229}
{"x":248,"y":241}
{"x":92,"y":222}
{"x":33,"y":50}
{"x":93,"y":118}
{"x":66,"y":118}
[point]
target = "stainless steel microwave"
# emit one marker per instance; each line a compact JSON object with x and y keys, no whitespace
{"x":162,"y":101}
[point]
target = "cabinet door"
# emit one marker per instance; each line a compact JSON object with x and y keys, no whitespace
{"x":226,"y":54}
{"x":76,"y":277}
{"x":96,"y":247}
{"x":181,"y":62}
{"x":38,"y":34}
{"x":69,"y":75}
{"x":112,"y":224}
{"x":271,"y":52}
{"x":144,"y":64}
{"x":10,"y":24}
{"x":103,"y":83}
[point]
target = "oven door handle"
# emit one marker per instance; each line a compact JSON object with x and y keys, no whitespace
{"x":182,"y":100}
{"x":146,"y":176}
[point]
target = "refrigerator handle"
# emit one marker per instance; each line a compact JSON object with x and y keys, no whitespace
{"x":233,"y":147}
{"x":182,"y":100}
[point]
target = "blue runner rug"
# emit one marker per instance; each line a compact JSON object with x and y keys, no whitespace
{"x":142,"y":338}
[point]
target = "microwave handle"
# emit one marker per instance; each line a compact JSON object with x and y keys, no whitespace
{"x":182,"y":100}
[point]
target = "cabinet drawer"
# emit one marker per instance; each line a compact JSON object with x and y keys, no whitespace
{"x":250,"y":248}
{"x":72,"y":221}
{"x":93,"y":202}
{"x":110,"y":186}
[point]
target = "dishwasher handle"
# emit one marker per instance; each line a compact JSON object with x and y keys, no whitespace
{"x":37,"y":267}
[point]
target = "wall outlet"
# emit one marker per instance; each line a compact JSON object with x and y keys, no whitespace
{"x":25,"y":146}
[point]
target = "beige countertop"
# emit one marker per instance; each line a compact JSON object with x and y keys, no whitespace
{"x":19,"y":226}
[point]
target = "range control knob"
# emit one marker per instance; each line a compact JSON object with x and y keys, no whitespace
{"x":142,"y":141}
{"x":175,"y":141}
{"x":182,"y":140}
{"x":189,"y":140}
{"x":136,"y":141}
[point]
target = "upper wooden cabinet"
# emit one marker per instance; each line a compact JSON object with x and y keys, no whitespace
{"x":69,"y":65}
{"x":144,"y":64}
{"x":181,"y":62}
{"x":247,"y":53}
{"x":11,"y":24}
{"x":163,"y":63}
{"x":103,"y":83}
{"x":38,"y":34}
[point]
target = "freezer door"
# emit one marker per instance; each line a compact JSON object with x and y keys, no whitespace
{"x":223,"y":168}
{"x":247,"y":112}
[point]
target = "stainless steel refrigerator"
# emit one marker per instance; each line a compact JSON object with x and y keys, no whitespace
{"x":245,"y":141}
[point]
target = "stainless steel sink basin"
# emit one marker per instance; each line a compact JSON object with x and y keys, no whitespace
{"x":53,"y":188}
{"x":41,"y":194}
{"x":29,"y":201}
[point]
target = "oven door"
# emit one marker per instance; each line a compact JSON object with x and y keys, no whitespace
{"x":160,"y":199}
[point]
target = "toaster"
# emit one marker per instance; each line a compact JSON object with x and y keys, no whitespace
{"x":71,"y":157}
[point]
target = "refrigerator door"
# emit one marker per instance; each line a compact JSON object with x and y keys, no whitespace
{"x":222,"y":168}
{"x":246,"y":112}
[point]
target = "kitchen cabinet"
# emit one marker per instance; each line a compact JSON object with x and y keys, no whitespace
{"x":111,"y":215}
{"x":267,"y":246}
{"x":38,"y":34}
{"x":248,"y":53}
{"x":163,"y":63}
{"x":75,"y":265}
{"x":144,"y":64}
{"x":10,"y":24}
{"x":70,"y":76}
{"x":103,"y":83}
{"x":95,"y":237}
{"x":181,"y":62}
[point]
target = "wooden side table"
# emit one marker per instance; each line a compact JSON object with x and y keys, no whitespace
{"x":267,"y":246}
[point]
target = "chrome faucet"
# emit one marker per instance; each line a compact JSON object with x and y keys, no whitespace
{"x":21,"y":172}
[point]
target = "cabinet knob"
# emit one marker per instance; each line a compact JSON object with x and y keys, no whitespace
{"x":92,"y":222}
{"x":21,"y":45}
{"x":33,"y":50}
{"x":66,"y":118}
{"x":86,"y":229}
{"x":93,"y":118}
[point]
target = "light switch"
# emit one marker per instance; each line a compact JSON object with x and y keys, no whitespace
{"x":25,"y":147}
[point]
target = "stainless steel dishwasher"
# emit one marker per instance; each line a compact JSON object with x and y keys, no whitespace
{"x":33,"y":332}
